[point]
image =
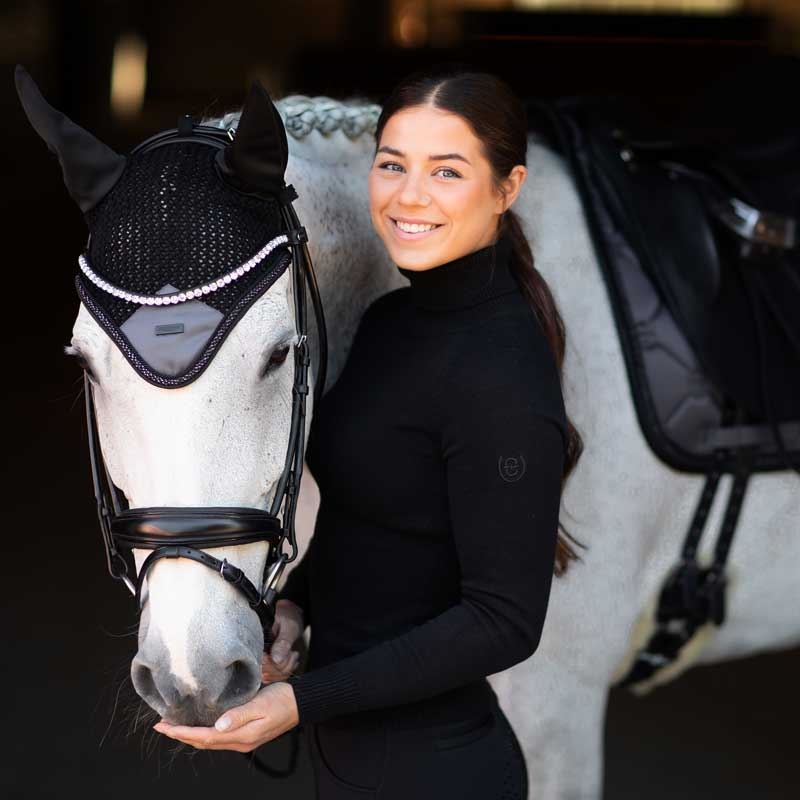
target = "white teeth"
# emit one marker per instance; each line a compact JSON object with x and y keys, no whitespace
{"x":414,"y":227}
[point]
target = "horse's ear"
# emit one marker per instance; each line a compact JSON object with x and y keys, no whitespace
{"x":256,"y":159}
{"x":90,"y":167}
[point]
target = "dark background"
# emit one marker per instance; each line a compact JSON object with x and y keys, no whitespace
{"x":70,"y":719}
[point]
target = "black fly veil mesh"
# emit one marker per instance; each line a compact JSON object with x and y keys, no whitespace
{"x":171,"y":223}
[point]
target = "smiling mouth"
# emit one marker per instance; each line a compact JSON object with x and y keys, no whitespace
{"x":413,"y":228}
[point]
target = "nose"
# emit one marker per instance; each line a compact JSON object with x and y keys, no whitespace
{"x":202,"y":701}
{"x":413,"y":191}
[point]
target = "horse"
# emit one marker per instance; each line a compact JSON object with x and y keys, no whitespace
{"x":215,"y":441}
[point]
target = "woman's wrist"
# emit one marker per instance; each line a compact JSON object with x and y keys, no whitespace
{"x":288,"y":696}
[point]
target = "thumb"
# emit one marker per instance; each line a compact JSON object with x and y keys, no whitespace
{"x":231,"y":720}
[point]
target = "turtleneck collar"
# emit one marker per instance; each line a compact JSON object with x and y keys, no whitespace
{"x":465,"y":281}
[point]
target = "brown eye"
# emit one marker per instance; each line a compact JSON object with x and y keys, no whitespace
{"x":277,"y":358}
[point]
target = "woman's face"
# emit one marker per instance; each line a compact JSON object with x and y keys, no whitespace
{"x":431,"y":193}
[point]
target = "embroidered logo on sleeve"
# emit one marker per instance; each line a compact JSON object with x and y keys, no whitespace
{"x":511,"y":468}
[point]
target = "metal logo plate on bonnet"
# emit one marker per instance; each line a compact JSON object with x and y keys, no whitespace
{"x":190,"y":326}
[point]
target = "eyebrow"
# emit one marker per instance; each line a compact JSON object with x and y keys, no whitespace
{"x":443,"y":157}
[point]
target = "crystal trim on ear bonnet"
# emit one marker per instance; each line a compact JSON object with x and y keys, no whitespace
{"x":178,"y":296}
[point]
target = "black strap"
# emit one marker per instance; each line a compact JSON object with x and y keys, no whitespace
{"x":693,"y":595}
{"x":226,"y":570}
{"x":293,"y":224}
{"x":115,"y":562}
{"x":229,"y":572}
{"x":197,"y":525}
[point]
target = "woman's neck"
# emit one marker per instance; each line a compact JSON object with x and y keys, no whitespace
{"x":465,"y":281}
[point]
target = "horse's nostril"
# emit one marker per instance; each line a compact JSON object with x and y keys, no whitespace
{"x":212,"y":691}
{"x":243,"y":682}
{"x":145,"y":685}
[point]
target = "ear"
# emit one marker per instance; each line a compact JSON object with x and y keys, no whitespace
{"x":256,"y":159}
{"x":90,"y":167}
{"x":511,"y":187}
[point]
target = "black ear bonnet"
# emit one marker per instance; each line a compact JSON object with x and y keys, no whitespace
{"x":185,"y":234}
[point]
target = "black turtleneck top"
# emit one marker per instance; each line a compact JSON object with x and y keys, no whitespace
{"x":439,"y":455}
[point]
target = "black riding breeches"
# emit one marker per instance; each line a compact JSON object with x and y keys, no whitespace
{"x":456,"y":745}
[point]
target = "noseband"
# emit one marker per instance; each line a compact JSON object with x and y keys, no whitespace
{"x":184,"y":532}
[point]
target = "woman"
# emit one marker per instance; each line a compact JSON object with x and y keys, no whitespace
{"x":440,"y":455}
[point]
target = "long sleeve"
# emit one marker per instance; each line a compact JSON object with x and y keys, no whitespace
{"x":502,"y":443}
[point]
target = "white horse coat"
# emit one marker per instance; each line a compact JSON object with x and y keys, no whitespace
{"x":222,"y":439}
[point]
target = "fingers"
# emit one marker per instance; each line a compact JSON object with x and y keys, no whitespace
{"x":270,"y":671}
{"x":269,"y":714}
{"x":279,"y":652}
{"x":225,"y":729}
{"x":234,"y":718}
{"x":287,"y":633}
{"x":242,"y":740}
{"x":286,"y":630}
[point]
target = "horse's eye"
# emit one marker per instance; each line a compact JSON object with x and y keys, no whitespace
{"x":84,"y":365}
{"x":277,"y":358}
{"x":279,"y":355}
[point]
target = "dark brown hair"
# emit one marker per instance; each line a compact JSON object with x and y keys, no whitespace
{"x":497,"y":118}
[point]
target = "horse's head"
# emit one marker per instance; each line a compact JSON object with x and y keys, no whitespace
{"x":192,"y":392}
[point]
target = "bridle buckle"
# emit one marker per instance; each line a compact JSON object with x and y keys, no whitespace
{"x":274,"y":573}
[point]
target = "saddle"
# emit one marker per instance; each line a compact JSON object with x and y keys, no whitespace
{"x":699,"y":248}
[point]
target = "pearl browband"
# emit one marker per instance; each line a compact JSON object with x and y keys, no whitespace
{"x":181,"y":296}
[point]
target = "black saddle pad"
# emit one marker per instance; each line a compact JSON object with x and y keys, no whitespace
{"x":676,"y":205}
{"x":738,"y":302}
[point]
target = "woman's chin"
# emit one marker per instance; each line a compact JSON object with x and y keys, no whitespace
{"x":413,"y":256}
{"x":416,"y":254}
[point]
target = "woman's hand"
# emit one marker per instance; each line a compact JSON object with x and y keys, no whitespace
{"x":270,"y":713}
{"x":287,"y":631}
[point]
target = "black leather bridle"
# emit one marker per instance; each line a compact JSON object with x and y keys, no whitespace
{"x":181,"y":532}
